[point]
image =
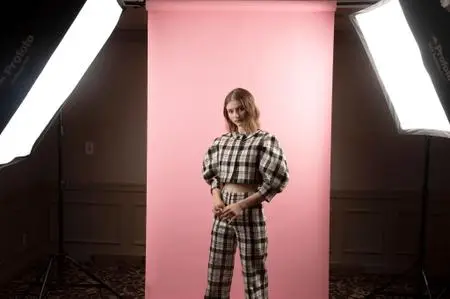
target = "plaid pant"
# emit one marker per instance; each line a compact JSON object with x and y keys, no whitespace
{"x":247,"y":231}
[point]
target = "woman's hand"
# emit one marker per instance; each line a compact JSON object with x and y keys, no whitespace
{"x":218,"y":206}
{"x":231,"y":212}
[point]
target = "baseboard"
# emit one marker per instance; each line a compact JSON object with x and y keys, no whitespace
{"x":338,"y":268}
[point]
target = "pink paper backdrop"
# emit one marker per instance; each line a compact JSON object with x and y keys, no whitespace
{"x":198,"y":51}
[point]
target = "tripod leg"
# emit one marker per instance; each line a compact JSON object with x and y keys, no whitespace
{"x":391,"y":282}
{"x":442,"y":293}
{"x":91,"y":275}
{"x":47,"y":272}
{"x":38,"y":278}
{"x":425,"y":280}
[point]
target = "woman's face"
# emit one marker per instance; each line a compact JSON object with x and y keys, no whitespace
{"x":236,"y":113}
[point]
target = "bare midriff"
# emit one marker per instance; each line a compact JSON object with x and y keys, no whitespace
{"x":240,"y":188}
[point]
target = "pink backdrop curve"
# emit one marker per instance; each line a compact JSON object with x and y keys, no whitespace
{"x":198,"y":51}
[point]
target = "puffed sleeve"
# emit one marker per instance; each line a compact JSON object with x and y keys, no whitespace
{"x":211,"y":165}
{"x":273,"y":168}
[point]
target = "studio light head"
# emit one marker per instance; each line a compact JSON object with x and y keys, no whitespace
{"x":46,"y":47}
{"x":408,"y":42}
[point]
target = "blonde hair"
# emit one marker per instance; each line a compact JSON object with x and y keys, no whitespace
{"x":251,"y":121}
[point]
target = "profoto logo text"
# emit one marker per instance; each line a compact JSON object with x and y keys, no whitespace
{"x":439,"y":58}
{"x":17,"y":61}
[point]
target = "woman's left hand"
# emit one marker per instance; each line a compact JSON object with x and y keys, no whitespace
{"x":232,"y":211}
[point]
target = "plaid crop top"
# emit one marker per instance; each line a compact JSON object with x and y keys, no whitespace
{"x":256,"y":158}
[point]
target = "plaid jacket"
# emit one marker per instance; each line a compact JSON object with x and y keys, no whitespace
{"x":255,"y":158}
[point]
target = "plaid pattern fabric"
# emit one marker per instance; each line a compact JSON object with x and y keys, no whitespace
{"x":255,"y":158}
{"x":248,"y":232}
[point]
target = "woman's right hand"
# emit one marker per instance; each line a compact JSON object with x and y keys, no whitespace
{"x":218,"y":206}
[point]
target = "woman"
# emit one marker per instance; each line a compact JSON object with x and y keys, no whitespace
{"x":244,"y":167}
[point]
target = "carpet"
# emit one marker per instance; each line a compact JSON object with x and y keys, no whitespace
{"x":128,"y":280}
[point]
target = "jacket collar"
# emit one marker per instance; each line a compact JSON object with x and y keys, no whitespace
{"x":244,"y":135}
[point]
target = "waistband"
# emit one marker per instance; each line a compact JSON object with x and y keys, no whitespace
{"x":236,"y":194}
{"x":229,"y":197}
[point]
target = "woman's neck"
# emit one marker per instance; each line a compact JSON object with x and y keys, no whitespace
{"x":242,"y":131}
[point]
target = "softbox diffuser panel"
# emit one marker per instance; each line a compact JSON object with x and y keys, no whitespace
{"x":408,"y":42}
{"x":46,"y":46}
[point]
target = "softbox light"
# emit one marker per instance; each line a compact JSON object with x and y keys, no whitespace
{"x":46,"y":46}
{"x":408,"y":42}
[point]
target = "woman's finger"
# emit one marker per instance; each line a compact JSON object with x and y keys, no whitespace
{"x":227,"y":210}
{"x":224,"y":215}
{"x":229,"y":214}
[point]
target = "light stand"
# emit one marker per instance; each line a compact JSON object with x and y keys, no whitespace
{"x":60,"y":259}
{"x":418,"y":268}
{"x":415,"y":81}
